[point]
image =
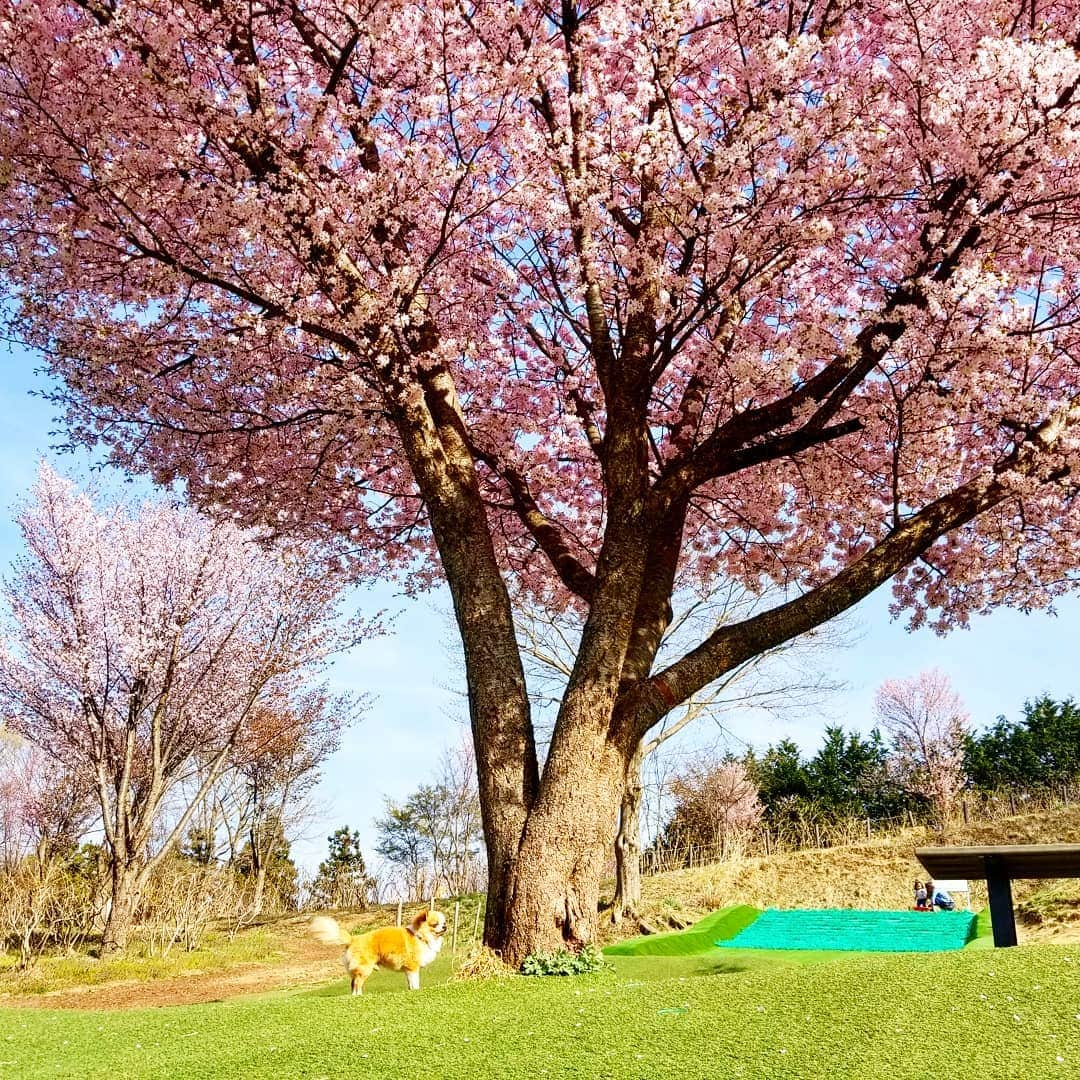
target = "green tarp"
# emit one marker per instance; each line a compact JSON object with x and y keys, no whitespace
{"x":856,"y":931}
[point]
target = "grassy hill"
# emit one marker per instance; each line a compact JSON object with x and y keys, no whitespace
{"x":278,"y":954}
{"x":876,"y":874}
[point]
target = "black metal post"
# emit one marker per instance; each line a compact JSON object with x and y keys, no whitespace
{"x":999,"y":886}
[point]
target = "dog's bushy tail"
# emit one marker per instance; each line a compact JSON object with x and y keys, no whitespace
{"x":327,"y":931}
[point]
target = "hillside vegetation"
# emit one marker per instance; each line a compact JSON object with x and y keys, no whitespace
{"x":875,"y":874}
{"x":278,"y":954}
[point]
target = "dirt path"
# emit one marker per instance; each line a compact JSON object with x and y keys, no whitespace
{"x":300,"y":963}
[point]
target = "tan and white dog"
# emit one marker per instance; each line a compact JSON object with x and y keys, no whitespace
{"x":400,"y":948}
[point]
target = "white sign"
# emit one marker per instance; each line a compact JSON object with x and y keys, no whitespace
{"x":951,"y":886}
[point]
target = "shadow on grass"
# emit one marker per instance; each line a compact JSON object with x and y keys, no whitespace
{"x":717,"y":962}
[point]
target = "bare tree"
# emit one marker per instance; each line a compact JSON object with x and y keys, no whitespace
{"x":433,"y":839}
{"x":279,"y":764}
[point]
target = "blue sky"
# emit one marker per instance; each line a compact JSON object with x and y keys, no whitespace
{"x":417,"y":709}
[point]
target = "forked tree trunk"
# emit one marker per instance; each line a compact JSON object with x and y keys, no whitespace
{"x":500,"y":859}
{"x":628,"y":843}
{"x":556,"y":884}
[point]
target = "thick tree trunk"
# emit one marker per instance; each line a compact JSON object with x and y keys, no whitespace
{"x":502,"y":837}
{"x":123,"y":901}
{"x":628,"y":843}
{"x":556,"y":884}
{"x":442,"y":463}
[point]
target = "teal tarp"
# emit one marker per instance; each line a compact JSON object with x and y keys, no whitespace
{"x":856,"y":931}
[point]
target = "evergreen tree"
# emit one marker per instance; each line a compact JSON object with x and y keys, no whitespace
{"x":199,"y":846}
{"x":1041,"y":749}
{"x":849,"y":775}
{"x":342,"y":879}
{"x":279,"y":874}
{"x":780,"y":773}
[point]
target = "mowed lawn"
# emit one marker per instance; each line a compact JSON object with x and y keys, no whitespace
{"x":994,"y":1015}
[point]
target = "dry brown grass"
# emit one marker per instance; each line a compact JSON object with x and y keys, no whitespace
{"x":874,"y":874}
{"x":480,"y":962}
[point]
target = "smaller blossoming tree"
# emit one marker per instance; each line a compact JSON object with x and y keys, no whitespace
{"x":928,"y":724}
{"x":141,"y":647}
{"x":43,"y":806}
{"x":713,"y":802}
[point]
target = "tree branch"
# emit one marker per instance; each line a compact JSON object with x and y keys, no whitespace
{"x":548,"y":534}
{"x":732,"y":645}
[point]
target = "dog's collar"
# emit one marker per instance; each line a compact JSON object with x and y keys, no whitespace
{"x":410,"y":930}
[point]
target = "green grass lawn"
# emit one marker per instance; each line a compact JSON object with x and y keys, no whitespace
{"x":682,"y":953}
{"x":693,"y":951}
{"x":968,"y":1015}
{"x":699,"y":938}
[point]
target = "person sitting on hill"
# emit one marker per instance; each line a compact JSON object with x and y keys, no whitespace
{"x":921,"y":896}
{"x":943,"y":900}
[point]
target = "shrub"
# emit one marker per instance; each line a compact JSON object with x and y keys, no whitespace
{"x":48,"y":902}
{"x":588,"y":960}
{"x":183,"y":898}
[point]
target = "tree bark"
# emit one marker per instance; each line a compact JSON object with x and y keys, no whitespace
{"x":556,"y":882}
{"x":432,"y":433}
{"x":628,"y":842}
{"x":257,"y":897}
{"x":124,"y":899}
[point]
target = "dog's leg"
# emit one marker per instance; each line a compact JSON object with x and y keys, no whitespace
{"x":360,"y":976}
{"x":414,"y":979}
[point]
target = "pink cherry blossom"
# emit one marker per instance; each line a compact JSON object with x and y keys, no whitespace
{"x":928,"y":723}
{"x":145,"y":651}
{"x":595,"y":301}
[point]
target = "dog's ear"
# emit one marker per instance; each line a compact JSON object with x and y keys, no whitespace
{"x":420,"y":919}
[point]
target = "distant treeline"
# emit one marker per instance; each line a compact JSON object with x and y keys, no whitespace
{"x":854,"y":776}
{"x":1041,"y":750}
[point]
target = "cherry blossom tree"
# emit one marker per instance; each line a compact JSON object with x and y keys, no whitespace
{"x":16,"y":813}
{"x":713,"y":801}
{"x":573,"y":298}
{"x":142,"y":649}
{"x":929,"y":727}
{"x":44,"y":808}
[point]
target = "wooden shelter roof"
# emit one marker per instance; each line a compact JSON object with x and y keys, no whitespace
{"x":1009,"y":860}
